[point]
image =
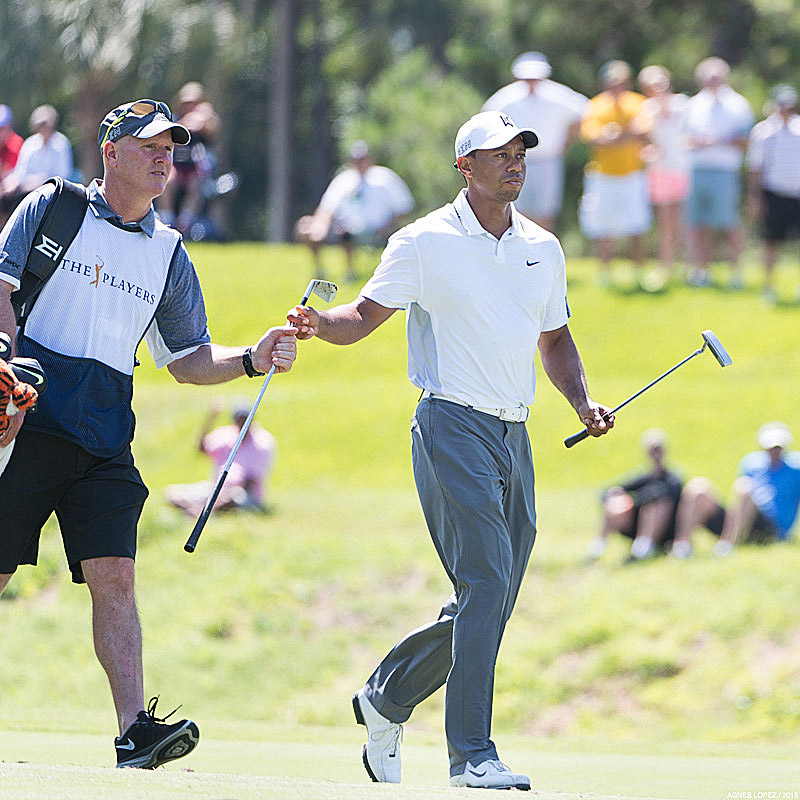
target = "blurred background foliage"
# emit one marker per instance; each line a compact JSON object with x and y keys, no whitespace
{"x":296,"y":81}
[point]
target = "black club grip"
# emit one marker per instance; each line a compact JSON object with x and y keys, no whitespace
{"x":570,"y":441}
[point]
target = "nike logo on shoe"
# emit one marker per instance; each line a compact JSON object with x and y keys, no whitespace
{"x":476,"y":773}
{"x":126,"y":745}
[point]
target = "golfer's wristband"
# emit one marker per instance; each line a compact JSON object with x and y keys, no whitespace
{"x":247,"y":361}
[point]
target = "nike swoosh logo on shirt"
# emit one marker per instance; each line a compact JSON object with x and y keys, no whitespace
{"x":530,"y":263}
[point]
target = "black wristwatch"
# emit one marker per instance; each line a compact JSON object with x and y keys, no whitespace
{"x":247,"y":361}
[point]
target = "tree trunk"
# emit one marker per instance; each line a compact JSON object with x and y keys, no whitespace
{"x":279,"y":137}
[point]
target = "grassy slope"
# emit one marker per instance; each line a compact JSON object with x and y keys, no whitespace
{"x":276,"y":619}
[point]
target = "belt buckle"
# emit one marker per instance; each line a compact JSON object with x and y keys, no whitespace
{"x":518,"y":414}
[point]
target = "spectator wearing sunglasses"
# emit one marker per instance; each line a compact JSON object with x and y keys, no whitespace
{"x":125,"y":278}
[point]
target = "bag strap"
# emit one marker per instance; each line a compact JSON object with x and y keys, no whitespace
{"x":59,"y":227}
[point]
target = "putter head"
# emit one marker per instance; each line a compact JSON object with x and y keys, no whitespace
{"x":322,"y":289}
{"x":716,"y":348}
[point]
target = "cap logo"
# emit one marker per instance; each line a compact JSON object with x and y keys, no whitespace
{"x":506,"y":120}
{"x":465,"y":147}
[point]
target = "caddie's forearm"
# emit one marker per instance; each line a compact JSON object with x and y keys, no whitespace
{"x":209,"y":364}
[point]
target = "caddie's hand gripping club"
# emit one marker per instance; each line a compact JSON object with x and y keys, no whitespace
{"x":710,"y":341}
{"x":326,"y":291}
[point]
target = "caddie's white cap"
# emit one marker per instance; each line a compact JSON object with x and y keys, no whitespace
{"x":774,"y":434}
{"x":531,"y":66}
{"x":491,"y":129}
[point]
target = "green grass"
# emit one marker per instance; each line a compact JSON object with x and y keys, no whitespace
{"x":275,"y":619}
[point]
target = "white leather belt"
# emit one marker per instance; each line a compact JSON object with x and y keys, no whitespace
{"x":513,"y":414}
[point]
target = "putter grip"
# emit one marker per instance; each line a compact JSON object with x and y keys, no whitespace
{"x":576,"y":437}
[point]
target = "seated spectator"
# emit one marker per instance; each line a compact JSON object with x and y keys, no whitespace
{"x":773,"y":169}
{"x":193,"y":164}
{"x":642,"y":508}
{"x":10,"y":145}
{"x":362,"y":205}
{"x":765,"y":501}
{"x":244,"y":488}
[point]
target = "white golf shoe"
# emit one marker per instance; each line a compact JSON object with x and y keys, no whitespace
{"x":491,"y":774}
{"x":381,"y":753}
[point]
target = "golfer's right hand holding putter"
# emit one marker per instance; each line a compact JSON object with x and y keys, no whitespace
{"x":598,"y":421}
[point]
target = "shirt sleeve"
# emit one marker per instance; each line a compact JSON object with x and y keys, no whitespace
{"x":396,"y":282}
{"x":755,"y":149}
{"x":557,"y":311}
{"x":180,"y":324}
{"x":339,"y":189}
{"x":16,"y":238}
{"x":402,"y":199}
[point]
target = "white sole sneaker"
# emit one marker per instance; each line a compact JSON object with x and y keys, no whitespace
{"x":381,"y":753}
{"x":491,"y":774}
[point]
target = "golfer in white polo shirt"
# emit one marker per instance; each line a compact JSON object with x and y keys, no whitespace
{"x":481,"y":286}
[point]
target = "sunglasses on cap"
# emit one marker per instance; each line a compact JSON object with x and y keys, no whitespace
{"x":140,"y":109}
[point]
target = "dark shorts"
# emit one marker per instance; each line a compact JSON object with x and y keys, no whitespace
{"x":97,"y":502}
{"x":761,"y":532}
{"x":781,"y":217}
{"x":629,"y":531}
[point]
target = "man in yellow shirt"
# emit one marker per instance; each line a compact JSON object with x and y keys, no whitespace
{"x":615,"y":204}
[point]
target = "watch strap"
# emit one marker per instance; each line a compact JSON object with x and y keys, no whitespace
{"x":247,"y":362}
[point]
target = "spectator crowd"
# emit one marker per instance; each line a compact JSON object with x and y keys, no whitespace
{"x":690,"y":171}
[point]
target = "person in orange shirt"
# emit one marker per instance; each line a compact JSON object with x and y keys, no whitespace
{"x":615,"y":204}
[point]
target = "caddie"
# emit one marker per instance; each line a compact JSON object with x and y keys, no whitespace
{"x":482,"y":287}
{"x":125,"y":278}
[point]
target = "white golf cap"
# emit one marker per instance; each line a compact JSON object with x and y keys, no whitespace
{"x":774,"y":434}
{"x":531,"y":66}
{"x":491,"y":129}
{"x":654,"y":437}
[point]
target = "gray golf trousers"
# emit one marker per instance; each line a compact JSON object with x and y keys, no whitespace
{"x":474,"y":476}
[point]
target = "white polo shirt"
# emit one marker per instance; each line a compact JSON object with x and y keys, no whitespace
{"x":774,"y":151}
{"x":725,"y":116}
{"x":475,"y":304}
{"x":367,"y":202}
{"x":551,"y":110}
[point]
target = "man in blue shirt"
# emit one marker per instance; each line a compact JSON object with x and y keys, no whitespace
{"x":125,"y":278}
{"x":766,"y":497}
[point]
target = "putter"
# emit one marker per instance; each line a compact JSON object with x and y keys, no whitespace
{"x":710,"y":341}
{"x":324,"y":290}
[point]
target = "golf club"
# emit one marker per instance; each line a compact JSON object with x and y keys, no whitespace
{"x":710,"y":341}
{"x":324,"y":290}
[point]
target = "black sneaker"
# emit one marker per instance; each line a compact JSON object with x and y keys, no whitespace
{"x":149,"y":742}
